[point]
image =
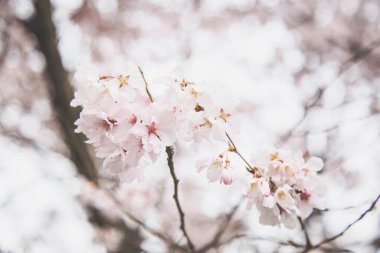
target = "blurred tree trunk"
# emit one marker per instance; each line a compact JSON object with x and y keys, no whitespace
{"x":61,"y":93}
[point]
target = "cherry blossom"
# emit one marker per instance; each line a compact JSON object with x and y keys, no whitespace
{"x":130,"y":127}
{"x":285,"y":187}
{"x":218,"y":168}
{"x":126,"y":124}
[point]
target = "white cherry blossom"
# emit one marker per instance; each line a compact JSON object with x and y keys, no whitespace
{"x":129,"y":129}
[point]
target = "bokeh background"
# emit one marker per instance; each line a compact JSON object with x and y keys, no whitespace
{"x":300,"y":74}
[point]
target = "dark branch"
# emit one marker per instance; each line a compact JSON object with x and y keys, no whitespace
{"x":170,"y":153}
{"x":308,"y":244}
{"x":332,"y":238}
{"x":146,"y":85}
{"x":61,"y":92}
{"x":131,"y":240}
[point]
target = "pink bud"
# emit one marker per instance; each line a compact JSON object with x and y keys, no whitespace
{"x":226,"y":177}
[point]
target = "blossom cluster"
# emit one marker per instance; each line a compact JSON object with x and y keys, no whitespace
{"x":129,"y":127}
{"x":284,"y":187}
{"x":218,"y":168}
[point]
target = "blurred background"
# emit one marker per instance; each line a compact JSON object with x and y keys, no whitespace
{"x":302,"y":74}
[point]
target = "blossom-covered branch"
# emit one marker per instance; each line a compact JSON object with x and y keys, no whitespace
{"x":130,"y":130}
{"x":170,"y":153}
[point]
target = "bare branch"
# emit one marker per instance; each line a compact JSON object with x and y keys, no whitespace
{"x":170,"y":153}
{"x":332,"y":238}
{"x":234,"y":149}
{"x":146,"y":85}
{"x":308,"y":244}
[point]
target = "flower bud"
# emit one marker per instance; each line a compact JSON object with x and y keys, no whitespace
{"x":226,"y":177}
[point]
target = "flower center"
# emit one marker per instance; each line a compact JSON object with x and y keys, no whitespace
{"x":152,"y":128}
{"x":305,"y":196}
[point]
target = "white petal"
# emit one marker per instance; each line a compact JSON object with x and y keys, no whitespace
{"x":202,"y":163}
{"x":269,"y":202}
{"x":214,"y":174}
{"x":289,"y":220}
{"x":265,"y":189}
{"x":314,"y":163}
{"x":304,"y":210}
{"x":227,"y":177}
{"x":283,"y":197}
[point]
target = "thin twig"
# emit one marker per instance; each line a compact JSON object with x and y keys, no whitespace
{"x":146,"y":85}
{"x":170,"y":153}
{"x":332,"y":238}
{"x":343,"y":208}
{"x":236,"y":151}
{"x":308,"y":244}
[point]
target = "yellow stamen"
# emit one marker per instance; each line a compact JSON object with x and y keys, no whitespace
{"x":274,"y":156}
{"x":123,"y":80}
{"x":223,"y":115}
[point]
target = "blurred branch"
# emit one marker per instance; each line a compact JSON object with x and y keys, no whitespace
{"x":222,"y":229}
{"x":170,"y":153}
{"x":131,"y":239}
{"x":317,"y":97}
{"x":130,"y":216}
{"x":5,"y":40}
{"x":60,"y":89}
{"x":18,"y":138}
{"x":360,"y":53}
